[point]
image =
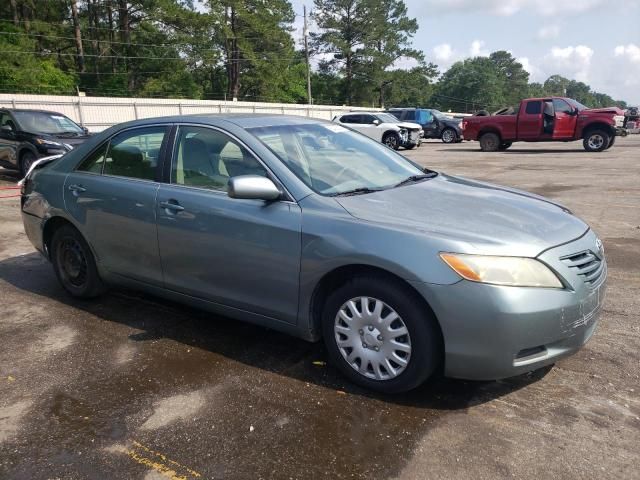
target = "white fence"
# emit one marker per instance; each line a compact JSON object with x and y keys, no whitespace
{"x":98,"y":113}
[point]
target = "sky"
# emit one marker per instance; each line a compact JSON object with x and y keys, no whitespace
{"x":594,"y":41}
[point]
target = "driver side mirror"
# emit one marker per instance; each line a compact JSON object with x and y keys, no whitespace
{"x":253,"y":187}
{"x":376,"y":122}
{"x":573,"y":113}
{"x":6,"y":129}
{"x":85,"y":130}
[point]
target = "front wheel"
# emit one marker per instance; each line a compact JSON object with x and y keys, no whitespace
{"x":596,"y":140}
{"x":380,"y":335}
{"x":449,"y":136}
{"x":26,"y":160}
{"x":392,"y":140}
{"x":74,"y":264}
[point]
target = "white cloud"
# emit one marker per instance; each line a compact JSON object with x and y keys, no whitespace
{"x":630,"y":52}
{"x":443,"y":52}
{"x":549,"y":32}
{"x":572,"y":62}
{"x":508,"y":8}
{"x":476,"y":49}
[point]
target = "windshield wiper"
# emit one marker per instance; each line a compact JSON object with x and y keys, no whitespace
{"x":357,"y":191}
{"x":66,"y":134}
{"x":415,"y":178}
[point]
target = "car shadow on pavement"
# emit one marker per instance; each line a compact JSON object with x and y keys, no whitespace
{"x":153,"y":318}
{"x":518,"y":151}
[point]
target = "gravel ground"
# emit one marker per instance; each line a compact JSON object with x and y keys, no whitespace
{"x":130,"y":386}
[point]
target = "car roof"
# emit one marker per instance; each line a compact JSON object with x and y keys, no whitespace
{"x":29,"y":110}
{"x":243,"y":120}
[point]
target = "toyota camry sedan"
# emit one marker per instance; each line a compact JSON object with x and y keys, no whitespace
{"x":312,"y":229}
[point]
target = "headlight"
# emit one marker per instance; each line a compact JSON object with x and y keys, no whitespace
{"x":47,"y":143}
{"x":511,"y":271}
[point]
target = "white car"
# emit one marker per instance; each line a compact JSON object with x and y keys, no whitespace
{"x":384,"y":128}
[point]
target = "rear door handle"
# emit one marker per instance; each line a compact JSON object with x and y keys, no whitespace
{"x":172,"y":205}
{"x":77,"y":188}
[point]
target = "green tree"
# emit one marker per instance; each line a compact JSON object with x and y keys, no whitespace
{"x":413,"y":87}
{"x":470,"y":85}
{"x":515,"y":79}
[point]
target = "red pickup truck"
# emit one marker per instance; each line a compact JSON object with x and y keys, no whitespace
{"x":551,"y":119}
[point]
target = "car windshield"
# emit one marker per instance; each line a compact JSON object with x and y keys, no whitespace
{"x":45,"y":122}
{"x":386,"y":118}
{"x":576,"y":104}
{"x":334,"y":160}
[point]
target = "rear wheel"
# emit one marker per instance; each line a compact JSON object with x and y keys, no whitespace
{"x":26,"y":160}
{"x":392,"y":140}
{"x":379,"y":335}
{"x":596,"y":140}
{"x":489,"y":142}
{"x":74,"y":264}
{"x":449,"y":135}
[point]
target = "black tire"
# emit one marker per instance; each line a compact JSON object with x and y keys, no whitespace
{"x":449,"y":135}
{"x":611,"y":142}
{"x":26,"y":160}
{"x":74,"y":264}
{"x":391,"y":140}
{"x":490,"y":142}
{"x":596,"y":140}
{"x":424,"y":334}
{"x":505,"y":146}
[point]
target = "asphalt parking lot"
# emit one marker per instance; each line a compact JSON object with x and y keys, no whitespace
{"x":129,"y":386}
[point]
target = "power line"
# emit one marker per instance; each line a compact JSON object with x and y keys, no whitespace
{"x":129,"y":44}
{"x":35,"y":52}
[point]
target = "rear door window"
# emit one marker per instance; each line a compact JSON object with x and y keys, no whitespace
{"x":135,"y":153}
{"x":534,"y":107}
{"x":410,"y":115}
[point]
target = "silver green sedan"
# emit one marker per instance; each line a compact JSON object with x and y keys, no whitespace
{"x":309,"y":228}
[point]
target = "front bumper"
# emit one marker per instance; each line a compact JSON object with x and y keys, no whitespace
{"x":493,"y":332}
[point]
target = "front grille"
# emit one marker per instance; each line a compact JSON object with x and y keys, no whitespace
{"x":587,"y":265}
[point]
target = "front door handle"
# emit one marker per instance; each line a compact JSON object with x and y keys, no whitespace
{"x":172,"y":205}
{"x":77,"y":188}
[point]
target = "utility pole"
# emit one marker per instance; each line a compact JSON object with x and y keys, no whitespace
{"x":305,"y":33}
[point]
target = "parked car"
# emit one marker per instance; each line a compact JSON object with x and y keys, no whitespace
{"x":309,"y":228}
{"x":552,"y":119}
{"x":26,"y":135}
{"x":434,"y":123}
{"x":384,"y":128}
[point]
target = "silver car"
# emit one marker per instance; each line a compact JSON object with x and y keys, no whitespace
{"x":309,"y":228}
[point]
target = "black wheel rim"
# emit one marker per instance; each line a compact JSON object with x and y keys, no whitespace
{"x":72,"y":262}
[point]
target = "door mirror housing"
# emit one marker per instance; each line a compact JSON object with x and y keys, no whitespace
{"x":6,"y":129}
{"x":253,"y":187}
{"x":376,"y":122}
{"x":85,"y":130}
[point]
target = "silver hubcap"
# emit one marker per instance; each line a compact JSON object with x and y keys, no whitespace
{"x":448,"y":136}
{"x":391,"y":141}
{"x":372,"y":338}
{"x":596,"y":141}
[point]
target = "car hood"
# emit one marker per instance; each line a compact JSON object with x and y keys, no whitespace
{"x":485,"y":218}
{"x":611,"y":110}
{"x":409,"y":125}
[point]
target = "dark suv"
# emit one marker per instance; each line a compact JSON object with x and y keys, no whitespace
{"x":434,"y":123}
{"x":26,"y":135}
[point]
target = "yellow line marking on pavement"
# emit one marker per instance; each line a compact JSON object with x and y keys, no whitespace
{"x":170,"y":468}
